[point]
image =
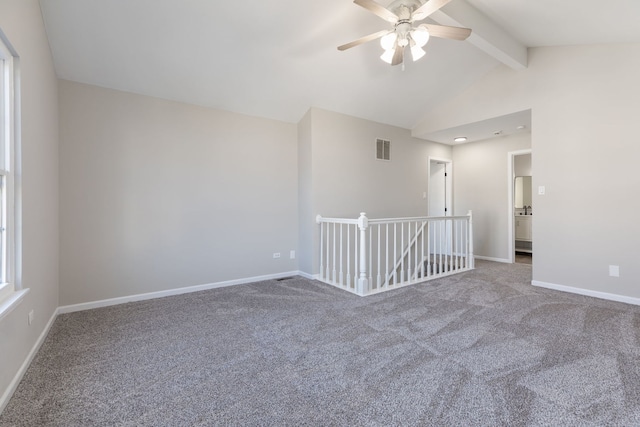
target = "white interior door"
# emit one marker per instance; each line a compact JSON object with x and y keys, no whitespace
{"x":440,"y":205}
{"x":438,"y":201}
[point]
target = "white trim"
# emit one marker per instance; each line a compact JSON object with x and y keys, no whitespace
{"x":10,"y":302}
{"x":169,"y":292}
{"x":308,"y":276}
{"x":10,"y":245}
{"x":510,"y":209}
{"x":587,"y":292}
{"x":27,"y":362}
{"x":488,"y":258}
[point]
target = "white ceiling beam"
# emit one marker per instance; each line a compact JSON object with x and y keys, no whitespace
{"x":486,"y":35}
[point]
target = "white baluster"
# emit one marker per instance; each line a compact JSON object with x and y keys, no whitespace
{"x":334,"y":254}
{"x":328,"y":276}
{"x":409,"y":256}
{"x":386,"y":272}
{"x":440,"y":265}
{"x":379,"y":278}
{"x":341,"y":273}
{"x":395,"y":250}
{"x":447,"y":244}
{"x":402,"y":252}
{"x":456,"y":238}
{"x":428,"y":249}
{"x":466,"y":244}
{"x":422,"y":250}
{"x":370,"y":257}
{"x":348,"y":281}
{"x":470,"y":240}
{"x":415,"y":253}
{"x":319,"y":221}
{"x":356,"y":259}
{"x":409,"y":238}
{"x":460,"y":240}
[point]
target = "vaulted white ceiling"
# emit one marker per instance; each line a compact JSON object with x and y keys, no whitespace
{"x":276,"y":59}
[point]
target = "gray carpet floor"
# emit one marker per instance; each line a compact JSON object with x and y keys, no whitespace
{"x":479,"y":348}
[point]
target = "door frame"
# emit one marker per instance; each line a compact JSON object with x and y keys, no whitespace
{"x":448,"y":183}
{"x":510,"y":208}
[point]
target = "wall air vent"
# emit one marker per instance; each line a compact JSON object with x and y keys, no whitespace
{"x":383,"y":149}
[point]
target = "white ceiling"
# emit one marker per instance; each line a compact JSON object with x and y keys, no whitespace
{"x":510,"y":124}
{"x":565,"y":22}
{"x":277,"y":59}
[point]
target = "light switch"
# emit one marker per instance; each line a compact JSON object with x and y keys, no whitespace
{"x":614,"y":270}
{"x":541,"y":190}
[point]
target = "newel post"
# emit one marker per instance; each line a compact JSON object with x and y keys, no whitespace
{"x":319,"y":221}
{"x":470,"y":237}
{"x":363,"y":282}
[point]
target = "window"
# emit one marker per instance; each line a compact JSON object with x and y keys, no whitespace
{"x":10,"y":293}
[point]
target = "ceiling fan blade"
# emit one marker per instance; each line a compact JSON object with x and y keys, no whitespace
{"x":379,"y":10}
{"x":363,"y":40}
{"x":398,"y":55}
{"x":446,"y":32}
{"x":427,"y":9}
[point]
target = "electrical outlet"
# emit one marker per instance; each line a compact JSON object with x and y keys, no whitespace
{"x":614,"y":270}
{"x":292,"y":255}
{"x":276,"y":255}
{"x":31,"y":317}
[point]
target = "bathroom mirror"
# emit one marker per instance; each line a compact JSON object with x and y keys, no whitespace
{"x":522,"y":189}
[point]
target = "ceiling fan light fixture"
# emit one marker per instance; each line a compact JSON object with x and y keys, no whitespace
{"x":387,"y":56}
{"x":388,"y":41}
{"x":417,"y":52}
{"x":420,"y":35}
{"x":403,"y":15}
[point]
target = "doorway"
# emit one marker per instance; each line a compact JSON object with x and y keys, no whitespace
{"x":440,"y":202}
{"x":440,"y":187}
{"x":520,"y":209}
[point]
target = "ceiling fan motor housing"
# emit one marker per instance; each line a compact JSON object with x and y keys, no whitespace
{"x":409,"y":5}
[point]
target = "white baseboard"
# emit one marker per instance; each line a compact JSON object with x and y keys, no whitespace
{"x":308,"y":276}
{"x":488,"y":258}
{"x":27,"y":361}
{"x":587,"y":292}
{"x":169,"y":292}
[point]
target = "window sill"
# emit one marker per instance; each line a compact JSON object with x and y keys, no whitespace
{"x":11,"y":301}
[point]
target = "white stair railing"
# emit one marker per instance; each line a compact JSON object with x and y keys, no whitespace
{"x":367,"y":256}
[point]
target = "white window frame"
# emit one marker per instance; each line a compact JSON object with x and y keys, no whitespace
{"x":11,"y":292}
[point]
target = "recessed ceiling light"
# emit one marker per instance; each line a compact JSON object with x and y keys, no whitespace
{"x":521,"y":127}
{"x":460,"y":139}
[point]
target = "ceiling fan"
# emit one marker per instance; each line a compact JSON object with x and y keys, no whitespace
{"x":402,"y":14}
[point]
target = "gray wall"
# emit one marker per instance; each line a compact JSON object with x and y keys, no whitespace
{"x":480,"y":184}
{"x":585,"y":101}
{"x":305,"y":194}
{"x":21,"y":22}
{"x":522,"y":165}
{"x":158,"y":195}
{"x":346,"y":178}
